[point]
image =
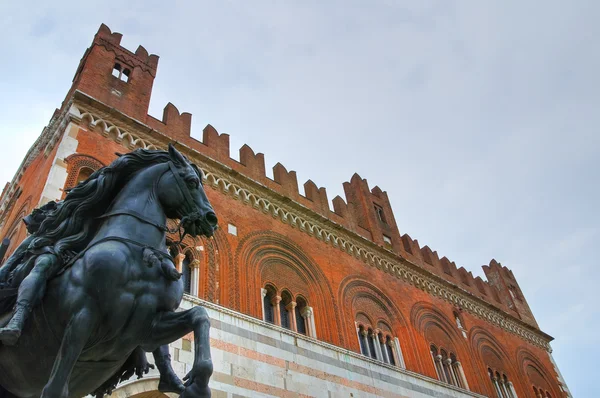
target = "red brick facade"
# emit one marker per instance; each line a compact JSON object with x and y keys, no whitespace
{"x":351,"y":265}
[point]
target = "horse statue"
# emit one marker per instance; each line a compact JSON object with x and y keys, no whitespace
{"x":111,"y":289}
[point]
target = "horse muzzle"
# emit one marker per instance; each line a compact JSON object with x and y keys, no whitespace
{"x":197,"y":224}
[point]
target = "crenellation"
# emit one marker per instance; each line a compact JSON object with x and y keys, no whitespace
{"x":340,"y":207}
{"x":317,"y":198}
{"x":286,"y":179}
{"x":428,"y":256}
{"x":481,"y":285}
{"x":255,"y":163}
{"x":377,"y":192}
{"x":112,"y":37}
{"x":176,"y":124}
{"x":448,"y":267}
{"x":217,"y":144}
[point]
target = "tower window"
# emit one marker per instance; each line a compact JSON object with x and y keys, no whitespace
{"x":380,"y":214}
{"x":387,"y":240}
{"x":121,"y":73}
{"x":116,"y":72}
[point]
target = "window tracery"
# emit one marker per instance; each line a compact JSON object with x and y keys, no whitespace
{"x":285,"y":311}
{"x":376,"y":343}
{"x":447,"y":367}
{"x":502,"y":386}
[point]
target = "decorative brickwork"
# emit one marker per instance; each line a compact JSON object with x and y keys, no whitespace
{"x":77,"y":162}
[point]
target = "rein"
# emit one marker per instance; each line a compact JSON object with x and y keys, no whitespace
{"x":158,"y":252}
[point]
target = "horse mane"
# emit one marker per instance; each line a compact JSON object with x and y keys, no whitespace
{"x":72,"y":225}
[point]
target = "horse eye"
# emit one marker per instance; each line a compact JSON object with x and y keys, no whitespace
{"x":193,"y":182}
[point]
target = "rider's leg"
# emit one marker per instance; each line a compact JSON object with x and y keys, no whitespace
{"x":169,"y":382}
{"x":31,"y":291}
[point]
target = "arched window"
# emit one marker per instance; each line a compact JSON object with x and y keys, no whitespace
{"x":448,"y":368}
{"x":371,"y":341}
{"x":284,"y":305}
{"x":362,"y":340}
{"x":502,"y":386}
{"x":186,"y":270}
{"x":84,"y":174}
{"x":437,"y":362}
{"x":390,"y":350}
{"x":300,"y":312}
{"x":268,"y":299}
{"x":116,"y":72}
{"x":121,"y":73}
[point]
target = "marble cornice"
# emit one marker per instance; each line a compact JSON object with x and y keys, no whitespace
{"x":252,"y":193}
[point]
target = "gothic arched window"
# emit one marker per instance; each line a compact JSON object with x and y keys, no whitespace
{"x":300,"y":312}
{"x":284,"y":309}
{"x":186,"y":270}
{"x":268,"y":299}
{"x":448,"y":368}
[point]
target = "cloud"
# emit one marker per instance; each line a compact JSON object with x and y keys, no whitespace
{"x":480,"y":119}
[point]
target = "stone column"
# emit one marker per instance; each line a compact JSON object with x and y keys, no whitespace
{"x":291,"y":307}
{"x":263,"y":294}
{"x":503,"y":387}
{"x":433,"y":358}
{"x":276,"y":314}
{"x":195,"y":275}
{"x":375,"y":337}
{"x":461,"y":372}
{"x":309,"y":318}
{"x":452,"y":380}
{"x":497,"y":386}
{"x":384,"y":351}
{"x":397,"y":351}
{"x":179,"y":262}
{"x":440,"y":368}
{"x":512,"y":389}
{"x":365,"y":337}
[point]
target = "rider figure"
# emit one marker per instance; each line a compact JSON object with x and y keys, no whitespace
{"x":32,"y":223}
{"x":34,"y":262}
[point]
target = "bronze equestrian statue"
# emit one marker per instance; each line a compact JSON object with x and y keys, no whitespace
{"x":93,"y":288}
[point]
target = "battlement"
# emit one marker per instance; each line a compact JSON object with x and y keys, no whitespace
{"x":364,"y":211}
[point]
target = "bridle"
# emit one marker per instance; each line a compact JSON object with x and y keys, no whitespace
{"x":189,"y":208}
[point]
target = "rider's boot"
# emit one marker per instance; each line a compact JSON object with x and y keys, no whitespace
{"x":169,"y":382}
{"x":11,"y":332}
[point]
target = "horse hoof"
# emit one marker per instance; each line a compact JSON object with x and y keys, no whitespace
{"x":171,"y":384}
{"x":9,"y":336}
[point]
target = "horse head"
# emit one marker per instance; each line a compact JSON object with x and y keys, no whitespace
{"x":181,"y":193}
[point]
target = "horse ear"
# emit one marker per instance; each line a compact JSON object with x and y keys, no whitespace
{"x":176,"y":156}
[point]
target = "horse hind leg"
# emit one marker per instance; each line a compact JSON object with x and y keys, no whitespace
{"x":170,"y":326}
{"x":77,"y":333}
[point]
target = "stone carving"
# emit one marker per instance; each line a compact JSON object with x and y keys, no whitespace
{"x":94,"y":287}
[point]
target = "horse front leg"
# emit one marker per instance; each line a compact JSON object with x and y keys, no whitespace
{"x":170,"y":326}
{"x":77,"y":333}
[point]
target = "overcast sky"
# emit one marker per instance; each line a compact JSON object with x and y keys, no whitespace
{"x":479,"y":118}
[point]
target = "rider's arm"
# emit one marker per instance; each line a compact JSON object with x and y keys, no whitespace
{"x":14,"y":259}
